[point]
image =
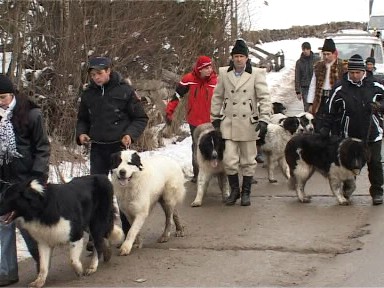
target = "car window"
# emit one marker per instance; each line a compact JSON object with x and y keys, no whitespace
{"x":346,"y":50}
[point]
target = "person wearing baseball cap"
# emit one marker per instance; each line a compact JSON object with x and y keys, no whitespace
{"x":355,"y":109}
{"x":199,"y":84}
{"x":110,"y":116}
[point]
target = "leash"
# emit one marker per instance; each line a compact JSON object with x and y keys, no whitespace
{"x":87,"y":146}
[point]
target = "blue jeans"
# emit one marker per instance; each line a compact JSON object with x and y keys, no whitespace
{"x":8,"y":256}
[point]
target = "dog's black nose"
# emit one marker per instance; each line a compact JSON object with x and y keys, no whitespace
{"x":122,"y":173}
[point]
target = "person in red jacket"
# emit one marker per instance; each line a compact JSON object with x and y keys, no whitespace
{"x":199,"y":85}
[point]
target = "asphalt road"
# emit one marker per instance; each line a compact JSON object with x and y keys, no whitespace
{"x":277,"y":241}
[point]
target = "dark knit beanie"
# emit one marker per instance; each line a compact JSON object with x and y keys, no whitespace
{"x":356,"y":62}
{"x":99,"y":63}
{"x":240,"y":48}
{"x":370,"y":60}
{"x":306,"y":45}
{"x":329,"y":46}
{"x":6,"y":85}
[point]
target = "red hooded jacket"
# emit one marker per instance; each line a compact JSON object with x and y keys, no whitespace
{"x":200,"y":94}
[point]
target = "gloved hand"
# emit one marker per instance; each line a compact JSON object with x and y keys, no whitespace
{"x":216,"y":124}
{"x":324,"y":132}
{"x":262,"y":129}
{"x":168,"y":120}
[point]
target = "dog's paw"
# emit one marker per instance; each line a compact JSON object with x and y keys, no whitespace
{"x":180,"y":233}
{"x":305,"y":199}
{"x":272,"y":180}
{"x":90,"y":270}
{"x":344,"y":202}
{"x":163,"y":238}
{"x":125,"y":249}
{"x":38,"y":283}
{"x":196,"y":203}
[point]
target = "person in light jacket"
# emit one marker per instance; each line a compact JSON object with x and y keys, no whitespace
{"x":235,"y":111}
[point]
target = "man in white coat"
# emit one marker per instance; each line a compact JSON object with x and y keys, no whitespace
{"x":234,"y":110}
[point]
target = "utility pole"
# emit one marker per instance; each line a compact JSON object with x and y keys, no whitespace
{"x":234,"y":21}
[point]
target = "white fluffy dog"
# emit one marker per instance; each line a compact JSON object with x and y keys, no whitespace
{"x":139,"y":184}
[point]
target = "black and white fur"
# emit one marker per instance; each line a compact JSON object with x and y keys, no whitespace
{"x":209,"y":156}
{"x":336,"y":159}
{"x":306,"y":119}
{"x":58,"y":214}
{"x":141,"y":183}
{"x":273,"y":147}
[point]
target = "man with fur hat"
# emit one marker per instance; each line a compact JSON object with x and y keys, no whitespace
{"x":325,"y":75}
{"x":234,"y":110}
{"x":355,"y":109}
{"x":199,"y":84}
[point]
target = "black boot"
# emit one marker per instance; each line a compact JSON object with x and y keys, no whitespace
{"x":235,"y":189}
{"x":246,"y":190}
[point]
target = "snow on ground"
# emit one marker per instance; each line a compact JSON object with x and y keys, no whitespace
{"x":281,"y":86}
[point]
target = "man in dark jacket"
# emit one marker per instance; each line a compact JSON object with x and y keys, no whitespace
{"x":110,"y":116}
{"x":304,"y":72}
{"x":355,"y":109}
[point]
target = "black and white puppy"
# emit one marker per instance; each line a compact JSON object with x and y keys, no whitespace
{"x":56,"y":214}
{"x":339,"y":160}
{"x":209,"y":152}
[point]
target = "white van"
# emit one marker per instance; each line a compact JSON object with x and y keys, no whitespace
{"x":376,"y":18}
{"x":350,"y":42}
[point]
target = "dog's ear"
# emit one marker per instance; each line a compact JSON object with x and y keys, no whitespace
{"x":136,"y":160}
{"x":115,"y":160}
{"x":33,"y":192}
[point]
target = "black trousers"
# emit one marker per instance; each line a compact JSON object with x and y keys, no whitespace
{"x":100,"y":162}
{"x":195,"y":166}
{"x":319,"y":117}
{"x":375,"y":169}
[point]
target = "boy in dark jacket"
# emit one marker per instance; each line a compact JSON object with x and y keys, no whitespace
{"x":110,"y":116}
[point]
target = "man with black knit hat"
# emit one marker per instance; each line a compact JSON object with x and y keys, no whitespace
{"x":356,"y":110}
{"x":325,"y":75}
{"x":234,"y":110}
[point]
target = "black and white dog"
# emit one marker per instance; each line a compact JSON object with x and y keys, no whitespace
{"x":56,"y":214}
{"x":209,"y":156}
{"x":307,"y":121}
{"x":140,"y":183}
{"x":339,"y":160}
{"x":273,"y":147}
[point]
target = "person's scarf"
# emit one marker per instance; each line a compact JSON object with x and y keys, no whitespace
{"x":8,"y":149}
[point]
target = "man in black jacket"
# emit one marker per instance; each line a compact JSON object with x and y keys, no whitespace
{"x":304,"y":72}
{"x":110,"y":116}
{"x":355,"y":109}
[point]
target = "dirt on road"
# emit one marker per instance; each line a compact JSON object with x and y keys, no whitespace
{"x":277,"y":241}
